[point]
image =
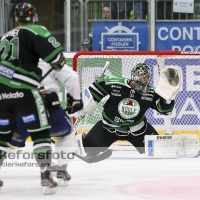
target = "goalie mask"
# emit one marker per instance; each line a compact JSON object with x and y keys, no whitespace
{"x":141,"y":74}
{"x":25,"y":12}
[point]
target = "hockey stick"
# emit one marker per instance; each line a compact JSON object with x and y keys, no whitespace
{"x":106,"y":153}
{"x":104,"y":69}
{"x":97,"y":158}
{"x":46,"y":75}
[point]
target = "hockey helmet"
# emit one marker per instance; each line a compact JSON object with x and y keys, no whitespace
{"x":141,"y":75}
{"x":25,"y":12}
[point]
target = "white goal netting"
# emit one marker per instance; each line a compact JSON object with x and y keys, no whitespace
{"x":185,"y":118}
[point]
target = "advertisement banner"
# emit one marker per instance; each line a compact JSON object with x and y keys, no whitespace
{"x":120,"y":36}
{"x":179,"y":36}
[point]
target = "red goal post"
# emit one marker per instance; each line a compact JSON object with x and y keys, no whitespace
{"x":185,"y":119}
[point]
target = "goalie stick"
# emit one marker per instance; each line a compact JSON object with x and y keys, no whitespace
{"x":106,"y":153}
{"x":97,"y":158}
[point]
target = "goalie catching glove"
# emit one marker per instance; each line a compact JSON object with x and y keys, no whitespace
{"x":169,"y":83}
{"x":89,"y":104}
{"x":73,"y":105}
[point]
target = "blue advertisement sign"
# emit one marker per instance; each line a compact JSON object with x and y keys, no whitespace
{"x":180,"y":36}
{"x":186,"y":111}
{"x":120,"y":36}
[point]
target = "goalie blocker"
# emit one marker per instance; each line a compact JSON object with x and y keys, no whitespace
{"x":89,"y":104}
{"x":171,"y":146}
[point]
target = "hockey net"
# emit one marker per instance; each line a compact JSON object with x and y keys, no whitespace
{"x":185,"y":118}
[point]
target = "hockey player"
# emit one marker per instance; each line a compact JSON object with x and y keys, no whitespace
{"x":123,"y":116}
{"x":60,"y":123}
{"x":20,"y":50}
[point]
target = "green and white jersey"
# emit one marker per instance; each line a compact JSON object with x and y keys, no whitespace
{"x":125,"y":106}
{"x":20,"y":50}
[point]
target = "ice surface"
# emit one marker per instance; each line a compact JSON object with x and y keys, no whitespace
{"x":124,"y":176}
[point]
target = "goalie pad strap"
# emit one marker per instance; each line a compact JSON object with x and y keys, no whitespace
{"x":171,"y":146}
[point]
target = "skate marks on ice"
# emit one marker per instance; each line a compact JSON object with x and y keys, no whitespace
{"x":137,"y":179}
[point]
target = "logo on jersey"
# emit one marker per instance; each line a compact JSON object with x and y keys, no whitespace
{"x":113,"y":90}
{"x":147,"y":98}
{"x":41,"y":109}
{"x":6,"y":71}
{"x":10,"y":95}
{"x":128,"y":108}
{"x":116,"y":94}
{"x":29,"y":118}
{"x":119,"y":120}
{"x":116,"y":86}
{"x":4,"y":122}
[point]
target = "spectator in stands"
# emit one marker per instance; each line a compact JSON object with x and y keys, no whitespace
{"x":106,"y":14}
{"x":120,"y":10}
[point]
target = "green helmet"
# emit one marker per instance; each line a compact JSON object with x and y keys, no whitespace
{"x":139,"y":71}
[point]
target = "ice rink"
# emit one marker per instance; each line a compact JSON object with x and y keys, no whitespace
{"x":124,"y":176}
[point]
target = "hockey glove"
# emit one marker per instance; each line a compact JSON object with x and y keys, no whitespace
{"x":59,"y":65}
{"x":73,"y":105}
{"x":51,"y":100}
{"x":170,"y":82}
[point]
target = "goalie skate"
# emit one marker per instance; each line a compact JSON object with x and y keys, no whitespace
{"x":47,"y":182}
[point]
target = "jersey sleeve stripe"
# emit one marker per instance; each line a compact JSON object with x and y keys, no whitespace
{"x":54,"y":54}
{"x":98,"y":91}
{"x":96,"y":96}
{"x":97,"y":85}
{"x":162,"y":110}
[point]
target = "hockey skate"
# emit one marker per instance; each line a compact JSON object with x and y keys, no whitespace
{"x":62,"y":176}
{"x":47,"y":182}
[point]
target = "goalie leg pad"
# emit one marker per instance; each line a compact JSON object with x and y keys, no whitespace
{"x":171,"y":146}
